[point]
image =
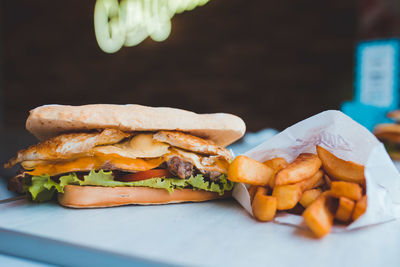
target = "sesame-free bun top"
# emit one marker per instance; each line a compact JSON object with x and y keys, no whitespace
{"x":51,"y":120}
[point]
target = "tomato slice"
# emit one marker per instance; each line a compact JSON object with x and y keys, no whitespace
{"x":144,"y":175}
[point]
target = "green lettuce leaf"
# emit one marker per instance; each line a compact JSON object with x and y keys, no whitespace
{"x":40,"y":189}
{"x":43,"y":188}
{"x":198,"y":182}
{"x":103,"y":178}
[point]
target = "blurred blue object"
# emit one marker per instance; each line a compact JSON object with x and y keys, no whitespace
{"x":251,"y":140}
{"x":377,"y":82}
{"x":368,"y":116}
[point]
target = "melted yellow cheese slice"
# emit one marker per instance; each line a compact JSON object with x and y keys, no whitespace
{"x":95,"y":163}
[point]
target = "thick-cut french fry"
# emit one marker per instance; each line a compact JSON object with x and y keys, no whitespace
{"x":319,"y":215}
{"x":252,"y":191}
{"x":345,"y":209}
{"x":328,"y":181}
{"x":246,"y":170}
{"x":288,"y":195}
{"x":346,"y":189}
{"x":263,"y":206}
{"x":321,"y":181}
{"x":303,"y":167}
{"x":339,"y":169}
{"x":360,"y":208}
{"x":309,"y":196}
{"x":276,"y":164}
{"x":314,"y":181}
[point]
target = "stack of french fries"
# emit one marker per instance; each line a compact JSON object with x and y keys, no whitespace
{"x":321,"y":187}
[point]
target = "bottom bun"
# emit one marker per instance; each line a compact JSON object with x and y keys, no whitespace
{"x":76,"y":196}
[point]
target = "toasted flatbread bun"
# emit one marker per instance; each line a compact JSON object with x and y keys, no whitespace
{"x":51,"y":120}
{"x":76,"y":196}
{"x":388,"y":131}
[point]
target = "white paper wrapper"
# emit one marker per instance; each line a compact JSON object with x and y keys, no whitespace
{"x":348,"y":140}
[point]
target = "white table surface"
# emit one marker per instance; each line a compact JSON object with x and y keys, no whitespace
{"x":6,"y":260}
{"x":216,"y":233}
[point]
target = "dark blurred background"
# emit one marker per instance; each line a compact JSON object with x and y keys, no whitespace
{"x":270,"y":63}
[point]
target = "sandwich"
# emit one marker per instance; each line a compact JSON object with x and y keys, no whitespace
{"x":110,"y":155}
{"x":389,"y":134}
